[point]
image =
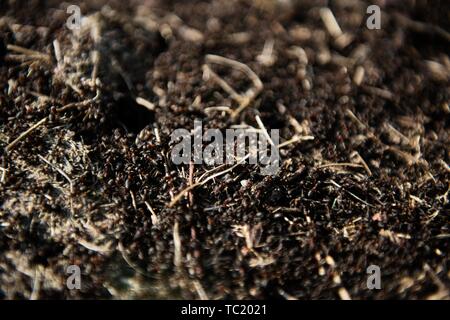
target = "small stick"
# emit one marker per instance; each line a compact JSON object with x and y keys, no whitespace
{"x":344,"y":164}
{"x":362,"y":161}
{"x":350,"y":114}
{"x":350,"y":193}
{"x":28,"y":52}
{"x":209,"y":171}
{"x":200,"y":291}
{"x":218,"y":108}
{"x":225,"y":86}
{"x":154,"y":217}
{"x":404,"y":139}
{"x":57,"y":48}
{"x":60,"y":171}
{"x":408,"y":158}
{"x":358,"y":76}
{"x":10,"y":146}
{"x":243,"y":100}
{"x":145,"y":103}
{"x":383,"y":93}
{"x":36,"y":285}
{"x":444,"y":165}
{"x":177,"y":245}
{"x":93,"y":247}
{"x":211,"y":58}
{"x":3,"y":174}
{"x":133,"y":200}
{"x":294,"y":139}
{"x":245,"y":103}
{"x":200,"y":183}
{"x":191,"y":182}
{"x":267,"y":58}
{"x":297,"y":127}
{"x":125,"y":257}
{"x":42,"y":96}
{"x":264,"y":130}
{"x":330,"y":22}
{"x":343,"y":294}
{"x":422,"y":27}
{"x":77,"y":104}
{"x":286,"y":295}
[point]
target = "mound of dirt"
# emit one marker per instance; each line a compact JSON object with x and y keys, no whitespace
{"x":86,"y":176}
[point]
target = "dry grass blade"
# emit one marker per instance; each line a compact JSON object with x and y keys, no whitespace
{"x":23,"y":135}
{"x":250,"y":95}
{"x":59,"y":170}
{"x":200,"y":183}
{"x":30,"y":53}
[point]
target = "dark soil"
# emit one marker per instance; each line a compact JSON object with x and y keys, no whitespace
{"x":92,"y":183}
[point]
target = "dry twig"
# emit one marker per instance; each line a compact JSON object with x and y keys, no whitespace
{"x":243,"y":100}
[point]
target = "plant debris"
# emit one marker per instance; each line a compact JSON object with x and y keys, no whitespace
{"x":86,"y":177}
